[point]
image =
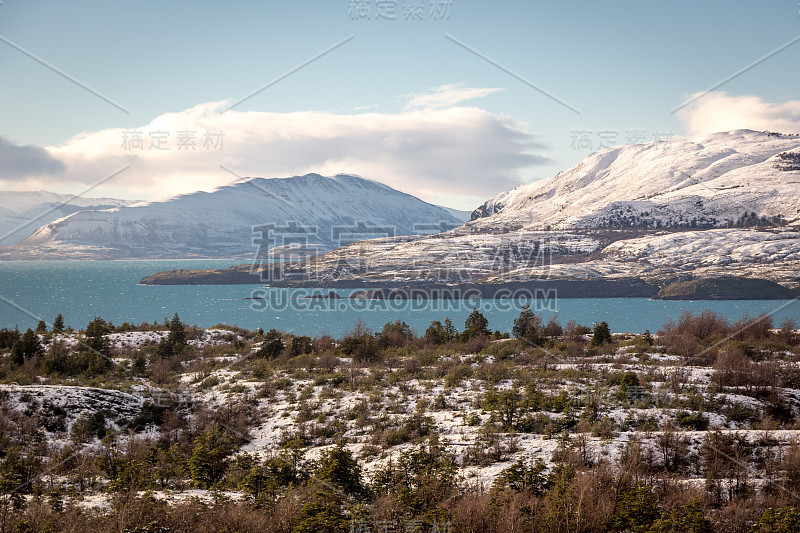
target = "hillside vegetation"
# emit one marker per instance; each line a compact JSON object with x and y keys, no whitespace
{"x":549,"y":427}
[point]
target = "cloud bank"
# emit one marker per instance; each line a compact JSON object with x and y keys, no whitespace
{"x":434,"y":149}
{"x":18,"y":163}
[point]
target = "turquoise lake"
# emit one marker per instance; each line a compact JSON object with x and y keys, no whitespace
{"x":82,"y":290}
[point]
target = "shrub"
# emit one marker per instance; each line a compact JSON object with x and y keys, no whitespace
{"x":694,"y":421}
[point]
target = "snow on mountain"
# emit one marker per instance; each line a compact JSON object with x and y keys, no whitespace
{"x":322,"y":212}
{"x":711,"y":247}
{"x":22,"y":212}
{"x":715,"y":181}
{"x":768,"y":253}
{"x":727,"y":203}
{"x":452,"y":256}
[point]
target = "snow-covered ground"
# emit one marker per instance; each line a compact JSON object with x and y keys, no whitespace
{"x":138,"y":339}
{"x":454,"y":256}
{"x":455,"y":410}
{"x":73,"y":402}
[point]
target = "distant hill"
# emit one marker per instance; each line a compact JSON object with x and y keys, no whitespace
{"x":322,"y":212}
{"x":23,"y":212}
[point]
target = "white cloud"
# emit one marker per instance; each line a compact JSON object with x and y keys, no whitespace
{"x":446,"y":96}
{"x":430,"y":153}
{"x":718,"y":111}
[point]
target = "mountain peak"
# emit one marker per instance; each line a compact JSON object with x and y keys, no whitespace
{"x":221,"y":223}
{"x":712,"y":181}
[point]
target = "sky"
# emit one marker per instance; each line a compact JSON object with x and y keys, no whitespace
{"x":453,"y":101}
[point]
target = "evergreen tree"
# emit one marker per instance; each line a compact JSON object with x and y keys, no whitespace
{"x":58,"y":324}
{"x":435,"y":333}
{"x":322,"y":514}
{"x":56,"y":360}
{"x":209,"y":459}
{"x":396,"y":333}
{"x":25,"y":348}
{"x":450,"y":332}
{"x":629,"y":379}
{"x":8,"y":337}
{"x":96,"y":358}
{"x":96,"y":333}
{"x":636,"y":511}
{"x":690,"y":519}
{"x":476,"y":325}
{"x":781,"y":520}
{"x":422,"y":477}
{"x":601,"y":334}
{"x":528,"y":326}
{"x":339,"y":467}
{"x":524,"y":476}
{"x":300,"y":345}
{"x":553,"y":328}
{"x":16,"y":471}
{"x":175,"y":342}
{"x":360,"y":344}
{"x":177,"y":332}
{"x":41,"y":327}
{"x":272,"y":345}
{"x":167,"y":463}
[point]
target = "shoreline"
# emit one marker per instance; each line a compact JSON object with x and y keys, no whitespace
{"x":725,"y":288}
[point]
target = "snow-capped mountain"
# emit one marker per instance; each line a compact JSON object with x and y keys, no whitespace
{"x":731,"y":179}
{"x":22,"y":212}
{"x":727,"y":203}
{"x":320,"y":212}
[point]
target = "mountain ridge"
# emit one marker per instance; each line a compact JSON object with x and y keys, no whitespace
{"x":685,"y":183}
{"x":328,"y":211}
{"x":22,"y":212}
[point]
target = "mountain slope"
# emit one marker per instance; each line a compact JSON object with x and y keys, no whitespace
{"x":716,"y":181}
{"x":727,"y":203}
{"x":333,"y":210}
{"x":22,"y":212}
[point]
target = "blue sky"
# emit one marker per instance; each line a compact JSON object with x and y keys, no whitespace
{"x":624,"y":65}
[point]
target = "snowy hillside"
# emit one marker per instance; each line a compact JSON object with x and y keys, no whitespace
{"x":715,"y":181}
{"x":728,"y":203}
{"x":333,"y":210}
{"x":454,"y":256}
{"x":22,"y":212}
{"x":667,"y":404}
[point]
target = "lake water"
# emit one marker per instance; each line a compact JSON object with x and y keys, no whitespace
{"x":81,"y":290}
